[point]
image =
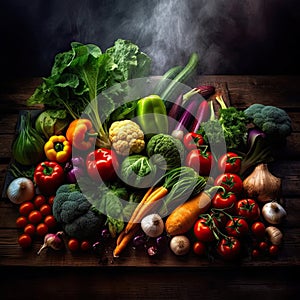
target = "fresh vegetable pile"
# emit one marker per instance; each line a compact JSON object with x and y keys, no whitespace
{"x":173,"y":170}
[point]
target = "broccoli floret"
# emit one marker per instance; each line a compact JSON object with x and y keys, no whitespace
{"x":272,"y":120}
{"x":76,"y":214}
{"x":67,"y":188}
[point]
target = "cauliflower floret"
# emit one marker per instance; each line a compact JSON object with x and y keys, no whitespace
{"x":126,"y":137}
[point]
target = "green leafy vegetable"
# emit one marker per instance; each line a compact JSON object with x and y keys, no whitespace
{"x":79,"y":75}
{"x":52,"y":122}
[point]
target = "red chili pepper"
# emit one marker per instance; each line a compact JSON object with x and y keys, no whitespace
{"x":192,"y":141}
{"x":102,"y":163}
{"x":48,"y":176}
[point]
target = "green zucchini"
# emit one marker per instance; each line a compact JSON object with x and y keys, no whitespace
{"x":164,"y":81}
{"x":181,"y":77}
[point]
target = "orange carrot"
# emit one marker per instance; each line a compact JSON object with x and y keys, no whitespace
{"x":182,"y":219}
{"x":150,"y":190}
{"x":146,"y":207}
{"x":126,"y":238}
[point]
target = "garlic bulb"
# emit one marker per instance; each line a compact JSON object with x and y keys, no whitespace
{"x":20,"y":190}
{"x":273,"y":212}
{"x":152,"y":225}
{"x":262,"y":185}
{"x":274,"y":234}
{"x":180,"y":244}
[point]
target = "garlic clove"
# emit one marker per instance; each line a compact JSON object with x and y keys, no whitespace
{"x":274,"y":235}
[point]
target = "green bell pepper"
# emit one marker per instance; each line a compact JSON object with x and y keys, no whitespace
{"x":152,"y":115}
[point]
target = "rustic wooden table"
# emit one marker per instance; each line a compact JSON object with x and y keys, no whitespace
{"x":62,"y":274}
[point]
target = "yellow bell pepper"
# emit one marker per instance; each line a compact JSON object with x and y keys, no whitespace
{"x":58,"y":149}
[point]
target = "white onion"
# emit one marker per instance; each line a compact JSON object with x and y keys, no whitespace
{"x":20,"y":190}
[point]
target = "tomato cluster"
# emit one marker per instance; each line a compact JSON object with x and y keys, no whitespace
{"x":35,"y":219}
{"x":234,"y":224}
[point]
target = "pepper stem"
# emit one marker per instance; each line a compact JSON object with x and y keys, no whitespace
{"x":47,"y":170}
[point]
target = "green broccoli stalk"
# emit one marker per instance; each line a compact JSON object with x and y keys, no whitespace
{"x":273,"y":121}
{"x":76,"y":214}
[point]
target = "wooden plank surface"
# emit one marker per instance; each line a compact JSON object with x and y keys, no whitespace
{"x":135,"y":276}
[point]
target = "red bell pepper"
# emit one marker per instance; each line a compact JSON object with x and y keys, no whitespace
{"x":48,"y":176}
{"x":102,"y":163}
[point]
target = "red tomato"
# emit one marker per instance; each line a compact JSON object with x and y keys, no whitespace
{"x":39,"y":200}
{"x":21,"y":222}
{"x":35,"y":217}
{"x":273,"y":250}
{"x":263,"y":246}
{"x":51,"y":200}
{"x":248,"y":208}
{"x":199,"y":248}
{"x":229,"y":248}
{"x":230,"y":181}
{"x":85,"y":245}
{"x":192,"y":141}
{"x":25,"y":208}
{"x":25,"y":240}
{"x":255,"y":253}
{"x":50,"y":221}
{"x":229,"y":163}
{"x":30,"y":229}
{"x":203,"y":231}
{"x":46,"y":210}
{"x":201,"y":161}
{"x":41,"y":229}
{"x":258,"y":229}
{"x":237,"y":227}
{"x":223,"y":200}
{"x":73,"y":244}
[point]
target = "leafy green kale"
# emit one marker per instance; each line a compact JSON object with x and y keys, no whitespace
{"x":230,"y":127}
{"x":79,"y":75}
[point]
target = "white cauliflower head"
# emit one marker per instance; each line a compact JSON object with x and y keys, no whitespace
{"x":126,"y":137}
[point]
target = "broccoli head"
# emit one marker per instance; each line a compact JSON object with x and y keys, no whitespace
{"x":272,"y":120}
{"x":76,"y":214}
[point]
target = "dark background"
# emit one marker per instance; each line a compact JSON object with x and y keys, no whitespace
{"x":230,"y":36}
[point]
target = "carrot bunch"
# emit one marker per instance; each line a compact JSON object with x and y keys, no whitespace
{"x":177,"y":182}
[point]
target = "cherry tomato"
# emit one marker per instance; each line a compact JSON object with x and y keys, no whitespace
{"x":39,"y":200}
{"x":51,"y":200}
{"x":200,"y":160}
{"x":255,"y":253}
{"x":192,"y":141}
{"x":263,"y":246}
{"x":25,"y":208}
{"x":258,"y":229}
{"x":203,"y":231}
{"x":237,"y":227}
{"x":21,"y":222}
{"x":35,"y":217}
{"x":25,"y":240}
{"x":85,"y":245}
{"x":199,"y":248}
{"x":50,"y":221}
{"x":273,"y":250}
{"x":41,"y":229}
{"x":73,"y":244}
{"x":30,"y":229}
{"x":248,"y":208}
{"x":224,"y":200}
{"x":230,"y":181}
{"x":46,"y":210}
{"x":229,"y":163}
{"x":229,"y":248}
